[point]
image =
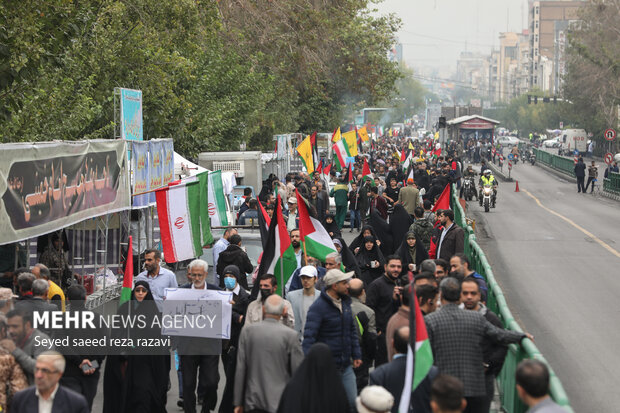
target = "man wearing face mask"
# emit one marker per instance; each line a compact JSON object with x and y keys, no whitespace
{"x":268,"y":285}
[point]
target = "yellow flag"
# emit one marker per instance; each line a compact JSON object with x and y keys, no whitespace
{"x":363,"y":133}
{"x":436,"y":135}
{"x":411,"y":146}
{"x":336,"y":137}
{"x":396,"y":155}
{"x":305,"y":153}
{"x":351,"y":138}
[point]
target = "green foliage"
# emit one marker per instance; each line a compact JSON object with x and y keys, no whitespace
{"x":213,"y":74}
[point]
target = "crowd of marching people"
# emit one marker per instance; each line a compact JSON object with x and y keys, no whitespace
{"x":333,"y":338}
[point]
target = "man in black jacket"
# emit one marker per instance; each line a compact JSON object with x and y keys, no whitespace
{"x":580,"y":173}
{"x":383,"y":297}
{"x":452,"y":238}
{"x":49,"y":368}
{"x":392,"y":376}
{"x":235,"y":255}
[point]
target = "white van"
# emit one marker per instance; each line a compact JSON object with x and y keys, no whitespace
{"x":572,"y":139}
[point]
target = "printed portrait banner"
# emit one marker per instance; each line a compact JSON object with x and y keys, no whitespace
{"x":51,"y":185}
{"x":168,"y":148}
{"x":131,"y":114}
{"x":141,"y":173}
{"x":156,"y":160}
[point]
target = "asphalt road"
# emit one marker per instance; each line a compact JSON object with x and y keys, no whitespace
{"x":558,"y":268}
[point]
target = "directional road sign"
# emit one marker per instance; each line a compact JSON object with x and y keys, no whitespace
{"x":610,"y":134}
{"x":609,"y":158}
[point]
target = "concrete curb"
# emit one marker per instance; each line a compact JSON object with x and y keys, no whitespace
{"x":499,"y":173}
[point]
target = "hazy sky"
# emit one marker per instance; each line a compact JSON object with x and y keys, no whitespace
{"x":434,"y":32}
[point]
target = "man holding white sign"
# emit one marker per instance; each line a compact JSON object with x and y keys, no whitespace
{"x":198,"y":304}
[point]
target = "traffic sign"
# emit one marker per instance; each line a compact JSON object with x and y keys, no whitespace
{"x":509,"y":164}
{"x":609,"y":158}
{"x":610,"y":134}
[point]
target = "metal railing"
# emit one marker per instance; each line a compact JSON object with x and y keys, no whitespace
{"x":559,"y":163}
{"x":496,"y":302}
{"x":612,"y":183}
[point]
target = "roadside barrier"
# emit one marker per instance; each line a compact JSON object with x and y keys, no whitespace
{"x":496,"y":302}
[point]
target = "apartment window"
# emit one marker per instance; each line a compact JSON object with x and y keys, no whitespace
{"x":536,"y":24}
{"x":535,"y":52}
{"x":536,"y":38}
{"x":535,"y":66}
{"x":536,"y":9}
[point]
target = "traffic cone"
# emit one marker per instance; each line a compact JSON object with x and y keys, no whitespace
{"x":517,"y":188}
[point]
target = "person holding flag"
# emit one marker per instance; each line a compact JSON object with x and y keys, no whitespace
{"x":409,"y":196}
{"x":340,"y":194}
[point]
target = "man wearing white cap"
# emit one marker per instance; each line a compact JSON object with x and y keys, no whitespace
{"x":374,"y":399}
{"x":331,"y":321}
{"x":301,"y":300}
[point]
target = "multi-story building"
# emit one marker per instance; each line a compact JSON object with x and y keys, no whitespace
{"x":548,"y":22}
{"x":513,"y":65}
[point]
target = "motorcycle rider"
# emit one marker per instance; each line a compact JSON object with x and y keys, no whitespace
{"x":487,"y":178}
{"x":468,"y":175}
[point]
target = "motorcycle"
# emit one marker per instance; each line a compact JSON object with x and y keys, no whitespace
{"x":532,"y":157}
{"x":488,"y":197}
{"x":469,"y":189}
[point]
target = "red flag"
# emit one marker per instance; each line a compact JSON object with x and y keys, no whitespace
{"x":403,"y":155}
{"x":128,"y":275}
{"x":276,"y":150}
{"x":319,"y":168}
{"x":443,"y":202}
{"x":326,"y":169}
{"x":366,"y":169}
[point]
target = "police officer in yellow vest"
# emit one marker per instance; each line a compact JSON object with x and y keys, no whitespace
{"x":487,"y":179}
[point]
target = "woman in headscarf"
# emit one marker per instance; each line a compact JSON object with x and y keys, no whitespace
{"x":400,"y":221}
{"x":348,"y":258}
{"x":411,"y":253}
{"x":358,"y":242}
{"x":371,"y":261}
{"x":316,"y":386}
{"x":137,"y":383}
{"x":330,"y":225}
{"x":241,"y":300}
{"x":382,"y":229}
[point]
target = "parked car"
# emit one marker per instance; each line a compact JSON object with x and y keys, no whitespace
{"x":508,"y":140}
{"x":552,"y":143}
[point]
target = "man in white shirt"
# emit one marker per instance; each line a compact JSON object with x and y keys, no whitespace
{"x":301,"y":300}
{"x":47,"y":396}
{"x":158,"y":278}
{"x":296,"y":243}
{"x":222,"y":244}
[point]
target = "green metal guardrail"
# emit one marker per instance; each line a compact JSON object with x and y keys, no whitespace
{"x":560,"y":163}
{"x":612,"y":183}
{"x":497,"y":303}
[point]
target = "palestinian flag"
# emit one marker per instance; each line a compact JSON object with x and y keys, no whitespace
{"x":403,"y":156}
{"x":326,"y":169}
{"x":366,"y":174}
{"x":443,"y":202}
{"x":127,"y":275}
{"x":408,"y":162}
{"x":419,"y":353}
{"x":315,"y":150}
{"x":183,"y":219}
{"x":341,"y":152}
{"x":319,"y":167}
{"x":349,"y":177}
{"x":278,"y":256}
{"x":263,"y":224}
{"x":317,"y":242}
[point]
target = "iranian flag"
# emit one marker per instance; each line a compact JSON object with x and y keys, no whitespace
{"x":128,"y":275}
{"x":317,"y":242}
{"x":419,"y":354}
{"x":179,"y":211}
{"x":217,"y":200}
{"x":278,"y":255}
{"x":341,"y":152}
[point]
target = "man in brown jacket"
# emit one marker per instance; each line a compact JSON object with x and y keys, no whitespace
{"x":409,"y":197}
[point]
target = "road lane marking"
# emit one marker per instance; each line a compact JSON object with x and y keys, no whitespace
{"x":580,"y":228}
